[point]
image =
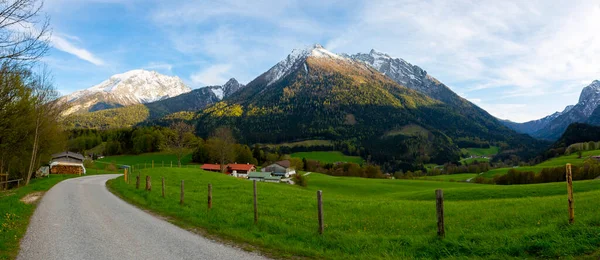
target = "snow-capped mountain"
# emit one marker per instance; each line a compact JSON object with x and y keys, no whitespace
{"x":553,"y":126}
{"x":132,"y":87}
{"x":230,"y":87}
{"x":296,"y":59}
{"x":410,"y":76}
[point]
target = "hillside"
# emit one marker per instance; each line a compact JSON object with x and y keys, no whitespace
{"x":315,"y":94}
{"x":165,"y":110}
{"x":578,"y":133}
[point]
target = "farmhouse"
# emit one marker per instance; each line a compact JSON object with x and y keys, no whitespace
{"x":280,"y":168}
{"x":67,"y":163}
{"x":241,"y":170}
{"x":258,"y":176}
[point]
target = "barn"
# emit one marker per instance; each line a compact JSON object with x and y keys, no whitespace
{"x":67,"y":163}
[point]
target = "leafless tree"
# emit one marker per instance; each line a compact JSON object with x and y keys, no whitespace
{"x":24,"y":30}
{"x":45,"y":110}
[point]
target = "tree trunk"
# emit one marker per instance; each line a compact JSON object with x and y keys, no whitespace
{"x":33,"y":150}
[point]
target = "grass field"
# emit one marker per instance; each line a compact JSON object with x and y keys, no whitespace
{"x":450,"y":177}
{"x":554,"y":162}
{"x":328,"y":157}
{"x":307,"y":143}
{"x":493,"y":150}
{"x":140,"y":159}
{"x":380,"y":219}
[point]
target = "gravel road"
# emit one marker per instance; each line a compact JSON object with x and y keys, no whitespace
{"x":80,"y":219}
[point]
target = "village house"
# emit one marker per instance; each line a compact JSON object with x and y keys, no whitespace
{"x":236,"y":169}
{"x":67,"y":163}
{"x":280,"y":168}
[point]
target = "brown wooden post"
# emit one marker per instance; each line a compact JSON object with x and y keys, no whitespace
{"x":320,"y":209}
{"x":163,"y":187}
{"x":181,"y":198}
{"x":439,"y":205}
{"x":148,"y":183}
{"x":125,"y":174}
{"x":209,"y":196}
{"x":18,"y":184}
{"x":137,"y":182}
{"x":255,"y":204}
{"x":570,"y":194}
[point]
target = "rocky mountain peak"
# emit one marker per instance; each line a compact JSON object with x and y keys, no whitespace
{"x":128,"y":88}
{"x":590,"y":98}
{"x":230,"y":87}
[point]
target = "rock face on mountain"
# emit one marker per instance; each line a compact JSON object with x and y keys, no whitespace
{"x":409,"y":75}
{"x":129,"y":88}
{"x":230,"y":87}
{"x":553,"y":126}
{"x":316,"y":94}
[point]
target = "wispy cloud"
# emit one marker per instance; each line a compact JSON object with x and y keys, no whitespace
{"x":61,"y":43}
{"x":213,"y":75}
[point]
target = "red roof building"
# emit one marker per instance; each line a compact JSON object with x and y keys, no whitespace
{"x":239,"y":168}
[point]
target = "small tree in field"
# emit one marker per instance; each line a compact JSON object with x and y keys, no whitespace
{"x":179,"y":140}
{"x":221,"y":146}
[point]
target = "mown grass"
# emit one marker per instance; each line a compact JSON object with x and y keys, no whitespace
{"x":551,"y":163}
{"x":328,"y":157}
{"x":450,"y":177}
{"x":143,"y":160}
{"x":493,"y":150}
{"x":379,"y":218}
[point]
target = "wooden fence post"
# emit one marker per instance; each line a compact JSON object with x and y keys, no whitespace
{"x":570,"y":194}
{"x":125,"y":175}
{"x":181,"y":198}
{"x":137,"y":182}
{"x":163,"y":187}
{"x":320,"y":207}
{"x":148,"y":183}
{"x":209,"y":196}
{"x":439,"y":206}
{"x":255,"y":204}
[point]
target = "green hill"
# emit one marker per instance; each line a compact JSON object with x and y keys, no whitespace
{"x":379,"y":218}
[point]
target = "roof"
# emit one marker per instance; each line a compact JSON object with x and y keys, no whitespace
{"x":211,"y":167}
{"x":259,"y":174}
{"x":284,"y":163}
{"x":68,"y":154}
{"x":278,"y":178}
{"x":240,"y":167}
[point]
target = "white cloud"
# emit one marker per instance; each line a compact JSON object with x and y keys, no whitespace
{"x":159,"y":66}
{"x":213,"y":75}
{"x":63,"y":44}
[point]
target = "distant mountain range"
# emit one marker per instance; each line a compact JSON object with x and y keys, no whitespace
{"x":374,"y":102}
{"x":129,"y":88}
{"x":389,"y":107}
{"x":553,"y":126}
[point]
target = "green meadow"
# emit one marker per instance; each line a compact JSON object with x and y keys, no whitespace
{"x":328,"y":157}
{"x":379,"y":218}
{"x":493,"y":150}
{"x":551,"y":163}
{"x":450,"y":177}
{"x":143,"y":160}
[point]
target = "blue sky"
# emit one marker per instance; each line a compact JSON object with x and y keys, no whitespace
{"x":519,"y":60}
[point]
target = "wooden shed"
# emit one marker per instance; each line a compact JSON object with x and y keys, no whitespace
{"x":67,"y":163}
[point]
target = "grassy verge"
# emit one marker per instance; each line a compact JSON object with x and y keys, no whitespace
{"x":15,"y":214}
{"x":143,"y":160}
{"x":328,"y":157}
{"x":379,"y":219}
